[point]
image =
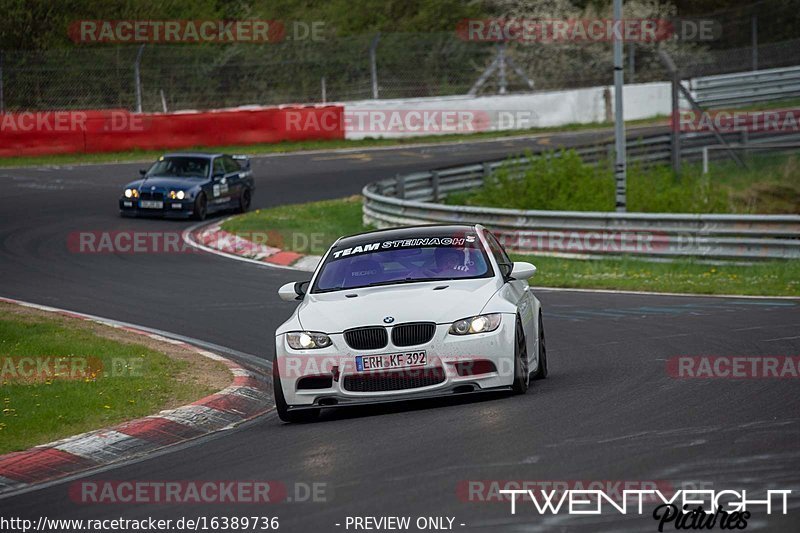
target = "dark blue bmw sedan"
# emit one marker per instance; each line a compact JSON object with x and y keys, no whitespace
{"x":190,"y":185}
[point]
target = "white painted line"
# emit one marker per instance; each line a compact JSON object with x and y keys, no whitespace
{"x":201,"y":417}
{"x":104,"y":446}
{"x":781,"y":339}
{"x":645,"y":293}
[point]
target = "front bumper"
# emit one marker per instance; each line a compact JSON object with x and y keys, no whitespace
{"x":446,"y":355}
{"x":170,"y":208}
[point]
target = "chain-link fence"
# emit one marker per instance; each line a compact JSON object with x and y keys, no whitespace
{"x":406,"y":65}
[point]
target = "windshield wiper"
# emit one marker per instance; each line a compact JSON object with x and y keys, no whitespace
{"x":397,"y":281}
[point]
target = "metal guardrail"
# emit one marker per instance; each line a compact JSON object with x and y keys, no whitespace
{"x":746,"y":87}
{"x":412,"y":199}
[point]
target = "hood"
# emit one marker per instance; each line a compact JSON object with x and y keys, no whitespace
{"x":412,"y":302}
{"x":166,"y":182}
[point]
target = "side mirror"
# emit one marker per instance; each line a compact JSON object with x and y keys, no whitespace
{"x":218,"y":176}
{"x":142,"y":171}
{"x":293,"y":291}
{"x":522,"y":270}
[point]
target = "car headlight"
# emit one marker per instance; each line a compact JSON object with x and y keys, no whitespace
{"x":177,"y":195}
{"x":476,"y":324}
{"x":131,"y":193}
{"x":307,"y":340}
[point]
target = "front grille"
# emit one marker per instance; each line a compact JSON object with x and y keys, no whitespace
{"x":159,"y":196}
{"x":413,"y":333}
{"x":369,"y":338}
{"x":394,"y":380}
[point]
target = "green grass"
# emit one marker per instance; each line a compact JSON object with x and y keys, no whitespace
{"x":299,"y":146}
{"x":40,"y":409}
{"x":331,"y":219}
{"x":774,"y":278}
{"x":770,"y":184}
{"x":307,"y":228}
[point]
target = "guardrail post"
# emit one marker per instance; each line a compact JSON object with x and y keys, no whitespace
{"x":2,"y":97}
{"x":744,"y":139}
{"x":435,"y":185}
{"x":400,"y":187}
{"x":487,"y":170}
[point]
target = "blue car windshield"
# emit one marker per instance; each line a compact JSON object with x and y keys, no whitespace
{"x":180,"y":167}
{"x":390,"y":262}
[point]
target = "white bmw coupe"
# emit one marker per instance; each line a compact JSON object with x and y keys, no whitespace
{"x":406,"y":313}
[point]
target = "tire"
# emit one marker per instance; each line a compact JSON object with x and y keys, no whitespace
{"x":522,"y":375}
{"x":306,"y":415}
{"x":244,"y":201}
{"x":541,"y":372}
{"x":200,"y":207}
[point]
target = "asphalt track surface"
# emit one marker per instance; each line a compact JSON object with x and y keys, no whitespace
{"x":609,"y":410}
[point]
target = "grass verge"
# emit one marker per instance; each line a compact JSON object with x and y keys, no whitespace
{"x":310,"y":228}
{"x":63,"y":376}
{"x":769,"y":185}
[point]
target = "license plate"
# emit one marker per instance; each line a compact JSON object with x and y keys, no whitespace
{"x":365,"y":363}
{"x":151,"y":204}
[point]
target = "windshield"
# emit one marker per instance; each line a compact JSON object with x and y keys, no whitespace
{"x":180,"y":167}
{"x":403,"y":261}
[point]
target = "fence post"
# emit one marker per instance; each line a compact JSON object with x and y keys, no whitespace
{"x":137,"y":79}
{"x":620,"y":141}
{"x":373,"y":66}
{"x":400,"y":187}
{"x":435,"y":185}
{"x":675,"y":134}
{"x":324,"y":92}
{"x":2,"y":95}
{"x":754,"y":35}
{"x":632,"y":62}
{"x":503,"y":82}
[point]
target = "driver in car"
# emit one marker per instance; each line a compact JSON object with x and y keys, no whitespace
{"x":449,"y":260}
